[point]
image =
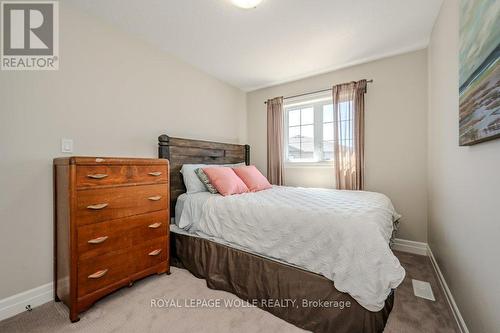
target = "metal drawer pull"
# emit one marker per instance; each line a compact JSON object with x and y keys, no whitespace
{"x":155,"y":252}
{"x":155,"y":198}
{"x":98,"y":274}
{"x":98,"y":176}
{"x":98,"y":160}
{"x":155,"y":225}
{"x":98,"y":240}
{"x":98,"y":206}
{"x":156,"y":174}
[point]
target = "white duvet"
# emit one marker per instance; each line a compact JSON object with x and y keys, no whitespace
{"x":342,"y":235}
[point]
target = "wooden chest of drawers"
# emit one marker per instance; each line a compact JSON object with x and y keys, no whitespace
{"x":111,"y":226}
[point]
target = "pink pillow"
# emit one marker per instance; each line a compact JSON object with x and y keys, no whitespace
{"x":225,"y":180}
{"x":253,"y":179}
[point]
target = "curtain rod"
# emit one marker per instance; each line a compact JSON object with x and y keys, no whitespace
{"x":313,"y":92}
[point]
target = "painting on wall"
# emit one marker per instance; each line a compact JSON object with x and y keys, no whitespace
{"x":479,"y":71}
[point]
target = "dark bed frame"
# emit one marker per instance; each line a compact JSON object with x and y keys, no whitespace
{"x":186,"y":151}
{"x":251,"y":277}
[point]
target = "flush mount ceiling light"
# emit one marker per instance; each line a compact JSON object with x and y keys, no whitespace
{"x":246,"y":4}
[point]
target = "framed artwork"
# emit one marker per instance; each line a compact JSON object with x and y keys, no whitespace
{"x":479,"y":71}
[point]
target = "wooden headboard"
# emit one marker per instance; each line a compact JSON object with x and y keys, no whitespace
{"x":186,"y":151}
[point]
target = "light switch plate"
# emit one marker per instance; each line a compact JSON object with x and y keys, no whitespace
{"x":423,"y":289}
{"x":66,"y":145}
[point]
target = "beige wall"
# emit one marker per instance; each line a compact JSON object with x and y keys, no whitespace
{"x":396,"y":133}
{"x":464,"y":189}
{"x":113,"y":95}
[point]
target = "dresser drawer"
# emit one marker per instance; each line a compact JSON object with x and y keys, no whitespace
{"x":99,"y":272}
{"x":149,"y":254}
{"x":99,"y":205}
{"x":104,"y":237}
{"x":99,"y":175}
{"x":156,"y":225}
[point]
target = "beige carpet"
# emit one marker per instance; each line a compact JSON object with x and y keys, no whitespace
{"x":129,"y":309}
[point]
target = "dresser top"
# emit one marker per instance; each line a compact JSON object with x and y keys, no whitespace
{"x":89,"y":160}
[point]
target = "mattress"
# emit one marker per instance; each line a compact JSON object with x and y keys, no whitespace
{"x":342,"y":235}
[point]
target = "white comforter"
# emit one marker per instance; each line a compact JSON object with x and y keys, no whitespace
{"x":342,"y":235}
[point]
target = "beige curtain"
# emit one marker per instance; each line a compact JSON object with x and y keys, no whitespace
{"x":275,"y":140}
{"x":349,"y":134}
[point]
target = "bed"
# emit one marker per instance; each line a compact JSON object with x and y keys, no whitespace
{"x":266,"y":262}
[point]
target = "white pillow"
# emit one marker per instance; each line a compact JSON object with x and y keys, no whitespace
{"x":192,"y":182}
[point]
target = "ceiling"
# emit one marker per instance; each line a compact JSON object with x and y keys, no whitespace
{"x":280,"y":40}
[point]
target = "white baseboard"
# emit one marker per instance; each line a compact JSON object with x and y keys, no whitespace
{"x":449,"y":297}
{"x":16,"y":304}
{"x":410,"y":246}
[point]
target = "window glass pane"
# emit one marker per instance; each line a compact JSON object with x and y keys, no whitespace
{"x":327,"y":113}
{"x":328,"y":150}
{"x":293,"y":152}
{"x":307,"y":155}
{"x":307,"y":116}
{"x":294,"y":118}
{"x":308,"y":133}
{"x":307,"y":142}
{"x":294,"y":133}
{"x":327,"y":131}
{"x":294,"y":142}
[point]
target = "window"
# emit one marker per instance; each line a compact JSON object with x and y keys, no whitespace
{"x":301,"y":133}
{"x":309,"y":129}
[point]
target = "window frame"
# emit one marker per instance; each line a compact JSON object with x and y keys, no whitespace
{"x":317,"y":102}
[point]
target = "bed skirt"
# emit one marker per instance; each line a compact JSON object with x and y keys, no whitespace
{"x":307,"y":300}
